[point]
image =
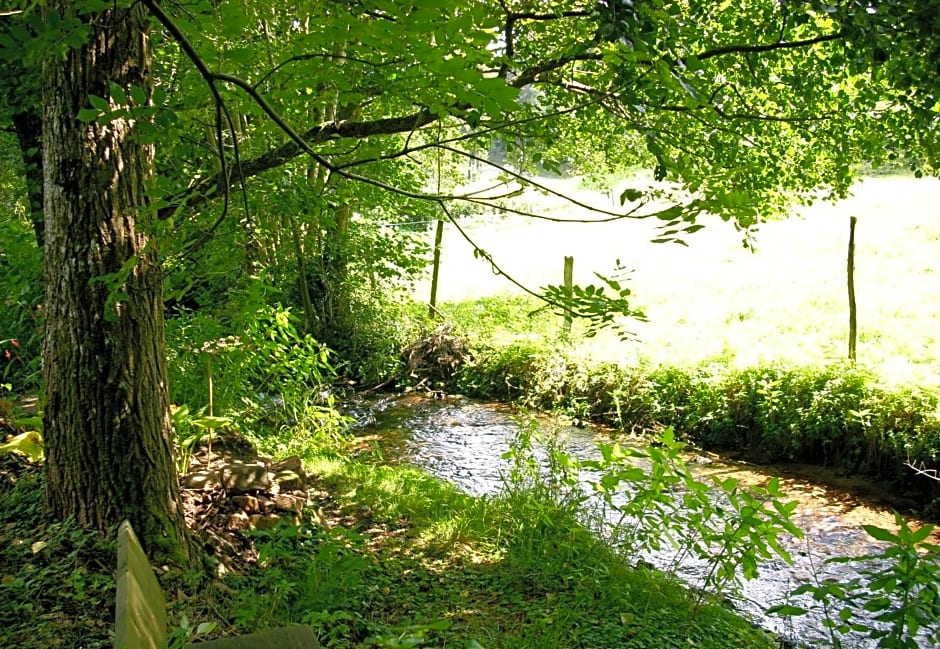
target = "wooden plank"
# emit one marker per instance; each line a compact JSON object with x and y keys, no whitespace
{"x":292,"y":637}
{"x":140,"y":610}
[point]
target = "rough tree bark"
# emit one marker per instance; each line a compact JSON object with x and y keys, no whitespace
{"x":107,"y":427}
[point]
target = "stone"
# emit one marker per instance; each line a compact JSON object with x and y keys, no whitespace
{"x":265,"y":504}
{"x":288,"y":481}
{"x":264,"y":521}
{"x":202,"y":481}
{"x":238,"y":521}
{"x":289,"y":473}
{"x":246,"y":503}
{"x":244,"y":477}
{"x":288,"y":503}
{"x":290,"y":463}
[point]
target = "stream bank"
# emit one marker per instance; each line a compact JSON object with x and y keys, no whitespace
{"x":463,"y":441}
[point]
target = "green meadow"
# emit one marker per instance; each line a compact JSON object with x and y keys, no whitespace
{"x":785,"y":299}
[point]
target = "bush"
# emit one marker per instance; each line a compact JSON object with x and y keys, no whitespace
{"x":263,"y":374}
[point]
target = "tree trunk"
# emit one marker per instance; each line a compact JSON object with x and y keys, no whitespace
{"x":107,"y":426}
{"x":28,"y":126}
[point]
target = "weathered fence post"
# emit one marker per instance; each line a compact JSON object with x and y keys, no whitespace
{"x":569,"y":291}
{"x":436,"y":267}
{"x":850,"y":272}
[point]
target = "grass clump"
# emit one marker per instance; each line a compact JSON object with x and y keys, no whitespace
{"x":56,"y":579}
{"x":387,"y":557}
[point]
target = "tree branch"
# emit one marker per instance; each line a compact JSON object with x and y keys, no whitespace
{"x":780,"y":45}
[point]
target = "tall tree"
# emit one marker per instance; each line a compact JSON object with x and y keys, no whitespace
{"x":107,"y":425}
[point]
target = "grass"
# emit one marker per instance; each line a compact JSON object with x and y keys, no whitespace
{"x":417,"y":562}
{"x":716,"y":300}
{"x":742,"y":351}
{"x":392,"y":558}
{"x":56,"y":580}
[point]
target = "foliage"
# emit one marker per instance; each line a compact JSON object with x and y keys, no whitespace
{"x":593,"y":305}
{"x":56,"y":579}
{"x":896,"y":593}
{"x":422,"y":564}
{"x":265,"y":377}
{"x":382,"y":113}
{"x":651,"y":501}
{"x":28,"y":444}
{"x":837,"y":415}
{"x":20,"y":280}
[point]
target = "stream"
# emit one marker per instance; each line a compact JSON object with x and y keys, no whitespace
{"x":462,"y":441}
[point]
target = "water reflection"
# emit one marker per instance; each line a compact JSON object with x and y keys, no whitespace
{"x":462,"y":441}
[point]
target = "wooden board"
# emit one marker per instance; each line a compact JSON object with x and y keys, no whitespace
{"x":140,"y":610}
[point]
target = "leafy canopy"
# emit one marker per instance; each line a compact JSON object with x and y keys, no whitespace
{"x":743,"y":105}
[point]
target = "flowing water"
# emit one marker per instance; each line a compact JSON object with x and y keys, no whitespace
{"x":462,"y":441}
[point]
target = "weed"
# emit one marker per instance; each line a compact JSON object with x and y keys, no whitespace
{"x":894,"y":601}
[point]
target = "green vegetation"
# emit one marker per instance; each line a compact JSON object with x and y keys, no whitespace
{"x":838,"y":415}
{"x":393,"y":558}
{"x":212,"y":219}
{"x":884,"y":588}
{"x":430,"y":564}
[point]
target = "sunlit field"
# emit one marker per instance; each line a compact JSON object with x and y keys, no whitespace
{"x":715,"y":299}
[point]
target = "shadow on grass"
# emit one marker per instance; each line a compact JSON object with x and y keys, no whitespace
{"x":408,"y":560}
{"x":56,"y":579}
{"x":390,"y":557}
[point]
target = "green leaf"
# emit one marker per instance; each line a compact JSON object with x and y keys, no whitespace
{"x":881,"y":534}
{"x":118,"y":94}
{"x":212,"y":422}
{"x":921,"y":534}
{"x":139,"y":95}
{"x":28,"y":444}
{"x":88,"y":114}
{"x":630,"y":195}
{"x":99,"y":102}
{"x":206,"y":627}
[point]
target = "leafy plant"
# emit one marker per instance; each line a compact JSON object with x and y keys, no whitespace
{"x":185,"y":633}
{"x":655,"y":501}
{"x":28,"y":444}
{"x":894,"y":601}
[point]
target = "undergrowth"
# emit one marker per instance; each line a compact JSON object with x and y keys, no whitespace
{"x":56,"y":579}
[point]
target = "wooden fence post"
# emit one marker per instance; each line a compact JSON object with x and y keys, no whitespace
{"x":850,"y":272}
{"x":569,"y":291}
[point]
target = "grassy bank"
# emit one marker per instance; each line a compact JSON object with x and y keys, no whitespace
{"x":385,"y":557}
{"x":740,"y":350}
